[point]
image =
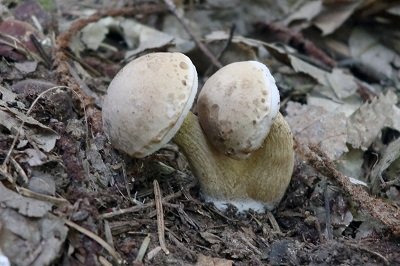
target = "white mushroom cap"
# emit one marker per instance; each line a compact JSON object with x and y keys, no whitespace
{"x":147,"y":102}
{"x":237,"y":106}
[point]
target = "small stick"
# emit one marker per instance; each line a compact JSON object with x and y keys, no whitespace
{"x":386,"y":213}
{"x":96,"y":238}
{"x":224,"y":49}
{"x":328,"y":221}
{"x":172,"y":8}
{"x":23,"y":177}
{"x":5,"y":162}
{"x":108,"y":233}
{"x":39,"y":196}
{"x":42,"y":52}
{"x":142,"y":250}
{"x":3,"y":167}
{"x":274,"y":223}
{"x":144,"y":206}
{"x":160,"y":217}
{"x":189,"y":253}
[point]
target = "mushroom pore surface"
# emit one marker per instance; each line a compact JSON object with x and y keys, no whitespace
{"x":147,"y":102}
{"x":237,"y":106}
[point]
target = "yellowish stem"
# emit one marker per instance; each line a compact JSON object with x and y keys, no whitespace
{"x":263,"y":177}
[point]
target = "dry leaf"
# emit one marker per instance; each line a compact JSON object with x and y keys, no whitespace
{"x":314,"y":125}
{"x":365,"y":125}
{"x":27,"y":241}
{"x":26,"y":206}
{"x":333,"y":16}
{"x":93,"y":34}
{"x":43,"y":137}
{"x":140,"y":37}
{"x":368,"y":49}
{"x":307,"y":12}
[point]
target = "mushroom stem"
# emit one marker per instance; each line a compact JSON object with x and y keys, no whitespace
{"x":263,"y":177}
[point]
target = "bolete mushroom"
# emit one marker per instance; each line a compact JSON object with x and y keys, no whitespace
{"x":149,"y":100}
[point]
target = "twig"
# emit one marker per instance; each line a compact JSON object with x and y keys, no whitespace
{"x":42,"y":52}
{"x":117,"y":257}
{"x":34,"y":195}
{"x":360,"y":247}
{"x":152,"y":253}
{"x":224,"y":49}
{"x":250,"y":245}
{"x":6,"y":175}
{"x":160,"y":217}
{"x":23,"y":177}
{"x":147,"y":205}
{"x":328,"y":219}
{"x":142,"y":250}
{"x":128,"y":191}
{"x":298,"y":41}
{"x":274,"y":223}
{"x":386,"y":213}
{"x":18,"y":46}
{"x":104,"y":262}
{"x":5,"y":162}
{"x":172,"y":8}
{"x":189,"y":253}
{"x":108,"y":233}
{"x":127,"y":210}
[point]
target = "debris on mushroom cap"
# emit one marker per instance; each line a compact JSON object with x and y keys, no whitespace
{"x":237,"y":106}
{"x":147,"y":102}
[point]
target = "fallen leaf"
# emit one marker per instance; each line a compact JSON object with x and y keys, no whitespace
{"x":365,"y":125}
{"x":350,"y":164}
{"x":99,"y":172}
{"x":333,"y":16}
{"x":43,"y":237}
{"x":34,"y":157}
{"x":314,"y":125}
{"x":26,"y":206}
{"x":367,"y":48}
{"x":306,"y":12}
{"x":343,"y":84}
{"x":27,"y":66}
{"x":141,"y":38}
{"x":94,"y":34}
{"x":44,"y":137}
{"x":43,"y":184}
{"x":387,"y":156}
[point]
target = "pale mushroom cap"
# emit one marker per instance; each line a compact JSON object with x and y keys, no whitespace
{"x":147,"y":102}
{"x":237,"y":106}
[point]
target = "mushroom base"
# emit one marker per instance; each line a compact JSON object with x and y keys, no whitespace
{"x":241,"y":205}
{"x":262,"y":178}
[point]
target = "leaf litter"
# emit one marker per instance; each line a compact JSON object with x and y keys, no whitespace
{"x":338,"y":76}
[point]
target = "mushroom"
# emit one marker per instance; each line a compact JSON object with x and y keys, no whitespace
{"x":238,"y":159}
{"x":237,"y":106}
{"x":147,"y":101}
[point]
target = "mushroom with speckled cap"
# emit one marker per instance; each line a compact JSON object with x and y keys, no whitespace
{"x":147,"y":101}
{"x":240,"y":147}
{"x":237,"y":106}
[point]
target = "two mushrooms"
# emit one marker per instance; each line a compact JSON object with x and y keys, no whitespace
{"x":239,"y":146}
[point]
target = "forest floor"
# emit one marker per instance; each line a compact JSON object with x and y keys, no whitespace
{"x":68,"y":198}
